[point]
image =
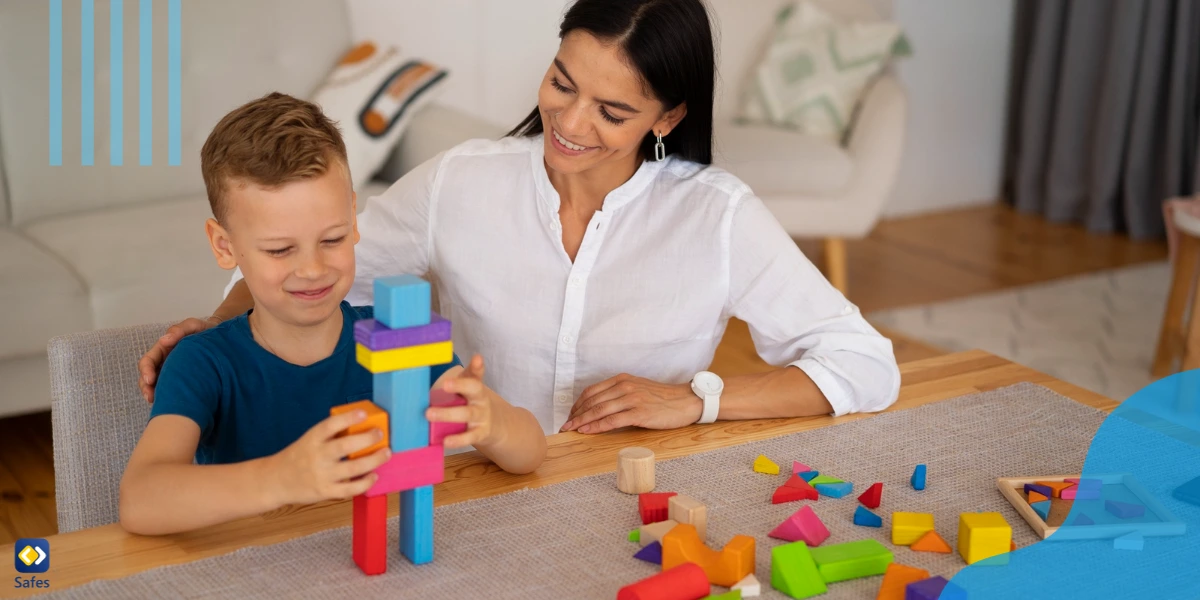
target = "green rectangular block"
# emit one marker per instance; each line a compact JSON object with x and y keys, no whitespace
{"x":851,"y":560}
{"x":794,"y":572}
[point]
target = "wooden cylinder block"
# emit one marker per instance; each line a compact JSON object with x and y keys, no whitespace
{"x":635,"y":470}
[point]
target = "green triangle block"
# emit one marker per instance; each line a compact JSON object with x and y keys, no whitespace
{"x":794,"y":572}
{"x":635,"y":536}
{"x":824,"y":479}
{"x":851,"y":560}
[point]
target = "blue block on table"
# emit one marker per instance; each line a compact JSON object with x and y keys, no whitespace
{"x":652,"y":553}
{"x":934,"y":588}
{"x":834,"y":490}
{"x":1131,"y":541}
{"x":416,"y":524}
{"x":1124,"y":510}
{"x":808,"y":475}
{"x":1083,"y":519}
{"x":918,"y":478}
{"x":1189,"y":492}
{"x":1042,"y":509}
{"x":405,"y":397}
{"x":402,"y":301}
{"x":866,"y":518}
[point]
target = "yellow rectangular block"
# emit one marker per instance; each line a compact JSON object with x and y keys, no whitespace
{"x":908,"y":527}
{"x":384,"y":361}
{"x":377,"y":418}
{"x":983,"y":535}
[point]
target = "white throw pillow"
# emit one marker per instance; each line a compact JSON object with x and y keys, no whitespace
{"x":372,"y":94}
{"x":815,"y":70}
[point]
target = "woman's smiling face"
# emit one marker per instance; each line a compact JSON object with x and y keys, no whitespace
{"x":594,"y":106}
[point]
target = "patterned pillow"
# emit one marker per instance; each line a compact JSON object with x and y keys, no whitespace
{"x":372,"y":94}
{"x":816,"y":68}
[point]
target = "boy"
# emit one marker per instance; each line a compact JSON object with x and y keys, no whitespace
{"x":248,"y":400}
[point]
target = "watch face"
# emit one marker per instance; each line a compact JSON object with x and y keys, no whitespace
{"x":709,"y":383}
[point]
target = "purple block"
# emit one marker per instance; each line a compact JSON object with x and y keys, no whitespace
{"x":1041,"y":489}
{"x":1082,"y":519}
{"x":1124,"y":510}
{"x":652,"y":553}
{"x":377,"y":336}
{"x":934,"y":588}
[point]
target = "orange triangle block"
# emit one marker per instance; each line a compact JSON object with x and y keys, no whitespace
{"x":1056,"y":486}
{"x":931,"y":542}
{"x":1036,"y":497}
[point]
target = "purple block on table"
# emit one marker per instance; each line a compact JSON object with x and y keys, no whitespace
{"x":652,"y":553}
{"x":934,"y":588}
{"x":377,"y":336}
{"x":1124,"y":510}
{"x":1041,"y":489}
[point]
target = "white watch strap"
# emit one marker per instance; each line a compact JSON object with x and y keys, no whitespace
{"x":712,"y":405}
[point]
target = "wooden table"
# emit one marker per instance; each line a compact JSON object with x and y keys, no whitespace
{"x":110,"y":552}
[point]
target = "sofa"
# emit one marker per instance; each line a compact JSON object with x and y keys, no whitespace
{"x":103,"y":246}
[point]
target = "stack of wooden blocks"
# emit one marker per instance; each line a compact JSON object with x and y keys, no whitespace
{"x":398,"y":347}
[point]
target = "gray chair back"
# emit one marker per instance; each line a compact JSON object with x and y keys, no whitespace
{"x":97,"y":415}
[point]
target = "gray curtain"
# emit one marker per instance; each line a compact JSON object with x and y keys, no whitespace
{"x":1104,"y":113}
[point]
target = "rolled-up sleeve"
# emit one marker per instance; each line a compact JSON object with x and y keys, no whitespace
{"x":797,"y":318}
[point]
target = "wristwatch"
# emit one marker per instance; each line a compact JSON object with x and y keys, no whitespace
{"x":708,"y":386}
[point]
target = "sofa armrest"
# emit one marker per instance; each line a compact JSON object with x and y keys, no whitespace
{"x":434,"y":128}
{"x":876,"y":142}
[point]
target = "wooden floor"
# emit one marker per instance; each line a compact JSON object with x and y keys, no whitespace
{"x":903,"y":262}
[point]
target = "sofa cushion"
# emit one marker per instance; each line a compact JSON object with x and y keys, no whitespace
{"x":41,"y":297}
{"x":143,"y":263}
{"x":778,"y":161}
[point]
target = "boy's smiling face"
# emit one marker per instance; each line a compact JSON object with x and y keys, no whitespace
{"x":294,"y":244}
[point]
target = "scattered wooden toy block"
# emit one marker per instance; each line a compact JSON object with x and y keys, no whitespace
{"x":402,"y":301}
{"x":821,"y":479}
{"x":1083,"y":519}
{"x":1130,"y":541}
{"x":808,"y":476}
{"x":687,"y":510}
{"x":410,"y":470}
{"x":799,"y":467}
{"x":1056,"y":487}
{"x":932,"y":542}
{"x":651,"y":553}
{"x":918,"y":478}
{"x":851,"y":560}
{"x":934,"y":588}
{"x":1041,"y":508}
{"x":405,"y":396}
{"x":866,"y":518}
{"x":416,"y":523}
{"x":1188,"y":492}
{"x":793,"y":571}
{"x":908,"y":527}
{"x":803,"y":525}
{"x":982,"y":536}
{"x":749,"y":586}
{"x":724,"y":567}
{"x":377,"y":418}
{"x":635,"y":536}
{"x":654,"y":507}
{"x":786,"y":493}
{"x":1036,"y":497}
{"x":635,"y":470}
{"x":369,"y":535}
{"x":1069,"y":493}
{"x":730,"y":595}
{"x":654,"y":532}
{"x":873,"y":496}
{"x":376,"y":336}
{"x":439,"y":431}
{"x":1124,"y":510}
{"x":762,"y":464}
{"x":398,"y":359}
{"x":798,"y":482}
{"x":1041,"y":489}
{"x":896,"y":578}
{"x":834,"y":490}
{"x":683,"y":582}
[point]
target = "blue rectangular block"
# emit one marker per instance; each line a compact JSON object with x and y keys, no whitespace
{"x":416,"y":524}
{"x":402,"y":301}
{"x":405,"y":397}
{"x":918,"y":478}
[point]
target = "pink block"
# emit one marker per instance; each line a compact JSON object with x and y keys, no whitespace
{"x":410,"y":470}
{"x":439,"y":431}
{"x":1069,"y":493}
{"x":804,"y":526}
{"x":799,"y":467}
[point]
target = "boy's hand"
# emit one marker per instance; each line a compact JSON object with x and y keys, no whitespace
{"x":478,"y":413}
{"x":312,"y":469}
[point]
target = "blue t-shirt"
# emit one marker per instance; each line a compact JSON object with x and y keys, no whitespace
{"x":250,"y":403}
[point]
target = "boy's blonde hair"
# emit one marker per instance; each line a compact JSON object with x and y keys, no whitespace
{"x":270,"y":142}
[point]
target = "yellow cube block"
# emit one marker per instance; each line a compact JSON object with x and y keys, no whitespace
{"x":377,"y":418}
{"x":983,"y":535}
{"x":412,"y":357}
{"x":908,"y":527}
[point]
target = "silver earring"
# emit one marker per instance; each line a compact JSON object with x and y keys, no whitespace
{"x":660,"y":151}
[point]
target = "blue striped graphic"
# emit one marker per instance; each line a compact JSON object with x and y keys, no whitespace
{"x":116,"y":68}
{"x":173,"y":83}
{"x":87,"y":82}
{"x":145,"y":84}
{"x":56,"y":83}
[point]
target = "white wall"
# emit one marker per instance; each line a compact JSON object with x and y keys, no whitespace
{"x":957,"y":82}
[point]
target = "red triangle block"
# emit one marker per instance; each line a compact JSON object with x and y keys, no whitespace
{"x":795,"y":481}
{"x":790,"y":494}
{"x":873,"y":496}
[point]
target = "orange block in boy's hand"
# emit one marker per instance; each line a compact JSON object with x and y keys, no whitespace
{"x":377,"y":418}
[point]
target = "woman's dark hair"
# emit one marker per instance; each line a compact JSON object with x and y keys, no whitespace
{"x":670,"y":43}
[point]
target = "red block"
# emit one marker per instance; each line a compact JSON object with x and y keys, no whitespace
{"x":653,"y":506}
{"x":439,"y":431}
{"x":873,"y":496}
{"x":410,"y":470}
{"x":684,"y":582}
{"x":787,"y":493}
{"x":370,"y":534}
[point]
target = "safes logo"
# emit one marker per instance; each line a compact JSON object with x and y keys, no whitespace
{"x":32,"y":555}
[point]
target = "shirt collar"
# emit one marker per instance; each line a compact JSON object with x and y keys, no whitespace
{"x":624,"y":194}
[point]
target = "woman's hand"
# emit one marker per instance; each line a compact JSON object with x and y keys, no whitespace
{"x":626,"y":400}
{"x":478,"y":413}
{"x":152,"y":361}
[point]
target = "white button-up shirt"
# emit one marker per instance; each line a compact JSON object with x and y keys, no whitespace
{"x":673,"y":253}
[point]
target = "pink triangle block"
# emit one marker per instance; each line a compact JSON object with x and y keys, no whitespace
{"x":802,"y":526}
{"x":799,"y":467}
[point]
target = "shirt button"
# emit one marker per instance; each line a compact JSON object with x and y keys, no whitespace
{"x":847,"y":310}
{"x":564,"y":398}
{"x":566,"y":339}
{"x":575,"y":281}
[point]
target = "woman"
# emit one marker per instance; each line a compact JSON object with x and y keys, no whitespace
{"x":593,"y":256}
